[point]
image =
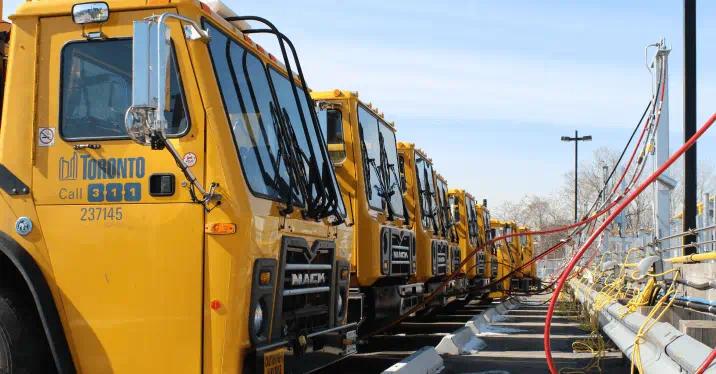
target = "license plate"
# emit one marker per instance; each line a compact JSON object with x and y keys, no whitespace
{"x":273,"y":362}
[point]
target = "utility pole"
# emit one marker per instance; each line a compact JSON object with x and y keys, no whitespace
{"x":690,"y":181}
{"x":576,"y":141}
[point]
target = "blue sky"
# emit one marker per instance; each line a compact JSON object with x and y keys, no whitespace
{"x":488,"y":87}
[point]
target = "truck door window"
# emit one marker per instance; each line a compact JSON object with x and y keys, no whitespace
{"x":96,"y":91}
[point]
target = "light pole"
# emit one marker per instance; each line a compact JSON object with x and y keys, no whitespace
{"x":576,"y":140}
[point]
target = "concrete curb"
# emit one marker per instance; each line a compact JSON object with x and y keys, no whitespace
{"x":425,"y":360}
{"x":463,"y":341}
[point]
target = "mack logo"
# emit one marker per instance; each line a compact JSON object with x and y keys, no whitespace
{"x":304,"y":279}
{"x":400,"y":255}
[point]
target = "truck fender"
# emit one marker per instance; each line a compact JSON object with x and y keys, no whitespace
{"x":45,"y":303}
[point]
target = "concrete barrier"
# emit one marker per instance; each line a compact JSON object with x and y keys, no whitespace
{"x":426,"y":360}
{"x":461,"y":342}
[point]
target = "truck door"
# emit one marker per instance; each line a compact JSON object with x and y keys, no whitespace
{"x":126,"y":243}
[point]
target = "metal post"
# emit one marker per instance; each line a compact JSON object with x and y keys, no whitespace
{"x":605,"y":171}
{"x":690,"y":179}
{"x":704,"y":236}
{"x":664,"y":184}
{"x":576,"y":173}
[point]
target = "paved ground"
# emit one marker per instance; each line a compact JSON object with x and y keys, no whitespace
{"x":514,"y":352}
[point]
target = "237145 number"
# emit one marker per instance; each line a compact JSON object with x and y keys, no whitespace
{"x":101,"y":214}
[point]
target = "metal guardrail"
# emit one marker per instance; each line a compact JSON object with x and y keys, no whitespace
{"x":665,"y":350}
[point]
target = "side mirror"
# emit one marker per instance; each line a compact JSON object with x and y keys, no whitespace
{"x":456,"y":213}
{"x":150,"y":84}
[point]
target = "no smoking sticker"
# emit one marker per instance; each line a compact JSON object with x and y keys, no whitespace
{"x":190,"y":159}
{"x":46,"y":137}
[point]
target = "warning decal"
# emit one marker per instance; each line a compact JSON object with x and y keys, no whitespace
{"x":46,"y":137}
{"x":190,"y":159}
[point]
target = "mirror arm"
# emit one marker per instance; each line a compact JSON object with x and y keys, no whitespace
{"x":162,"y":35}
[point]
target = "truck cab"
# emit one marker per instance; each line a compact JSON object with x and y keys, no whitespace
{"x":514,"y":250}
{"x":491,"y":263}
{"x":432,"y":247}
{"x":362,"y":146}
{"x":472,"y":235}
{"x":167,"y":199}
{"x":502,"y":256}
{"x":528,"y":252}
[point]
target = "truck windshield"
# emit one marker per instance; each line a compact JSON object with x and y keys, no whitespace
{"x":426,"y":192}
{"x":391,"y":153}
{"x":258,"y":100}
{"x":383,"y":183}
{"x":445,"y":218}
{"x":472,"y":227}
{"x":370,"y":144}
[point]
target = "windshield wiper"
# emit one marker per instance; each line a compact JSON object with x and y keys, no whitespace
{"x":325,"y":203}
{"x":296,"y":171}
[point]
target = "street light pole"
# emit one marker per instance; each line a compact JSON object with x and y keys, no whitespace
{"x":576,"y":172}
{"x":576,"y":141}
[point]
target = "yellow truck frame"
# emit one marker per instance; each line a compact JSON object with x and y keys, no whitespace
{"x":363,"y":149}
{"x":158,"y":212}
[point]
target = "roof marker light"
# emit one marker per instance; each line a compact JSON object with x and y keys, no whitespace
{"x":261,"y":49}
{"x":205,"y":8}
{"x":273,"y":58}
{"x":247,"y":38}
{"x":336,"y":92}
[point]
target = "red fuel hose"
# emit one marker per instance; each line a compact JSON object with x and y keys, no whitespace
{"x":602,"y":227}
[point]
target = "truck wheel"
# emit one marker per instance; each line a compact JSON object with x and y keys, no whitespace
{"x":23,"y":347}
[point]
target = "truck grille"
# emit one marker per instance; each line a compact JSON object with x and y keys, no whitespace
{"x":480,"y":264}
{"x":455,"y":258}
{"x":398,"y":250}
{"x":305,"y":291}
{"x":439,"y":252}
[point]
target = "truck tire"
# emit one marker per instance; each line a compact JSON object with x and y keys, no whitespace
{"x":23,"y":346}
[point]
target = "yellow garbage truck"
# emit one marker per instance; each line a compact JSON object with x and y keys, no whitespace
{"x":167,"y":200}
{"x":363,"y":149}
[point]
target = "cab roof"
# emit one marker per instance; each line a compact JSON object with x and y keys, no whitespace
{"x":338,"y":94}
{"x":64,"y":7}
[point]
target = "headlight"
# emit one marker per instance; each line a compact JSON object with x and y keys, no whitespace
{"x":339,"y":308}
{"x":258,"y":319}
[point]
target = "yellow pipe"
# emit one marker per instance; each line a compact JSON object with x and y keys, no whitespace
{"x":694,"y":258}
